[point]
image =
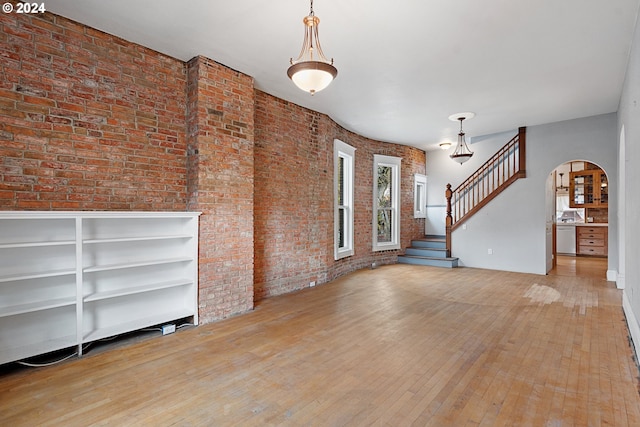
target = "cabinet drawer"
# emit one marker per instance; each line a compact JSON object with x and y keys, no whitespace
{"x":591,"y":231}
{"x":591,"y":242}
{"x":591,"y":236}
{"x":592,"y":250}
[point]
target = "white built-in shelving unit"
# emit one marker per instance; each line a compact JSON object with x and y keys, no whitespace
{"x":68,"y":278}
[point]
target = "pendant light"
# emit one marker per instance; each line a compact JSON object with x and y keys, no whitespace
{"x":311,"y":71}
{"x":462,"y":153}
{"x":561,"y":187}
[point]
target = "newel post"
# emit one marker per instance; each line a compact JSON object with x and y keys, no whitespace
{"x":449,"y":220}
{"x":522,"y":142}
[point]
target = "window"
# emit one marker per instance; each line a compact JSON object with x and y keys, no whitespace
{"x":420,"y":196}
{"x":386,"y":203}
{"x":343,"y":183}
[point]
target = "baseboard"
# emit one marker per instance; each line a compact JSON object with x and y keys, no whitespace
{"x":632,"y":324}
{"x":620,"y":281}
{"x":611,"y":275}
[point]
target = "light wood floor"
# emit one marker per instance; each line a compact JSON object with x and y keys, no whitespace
{"x":580,"y":266}
{"x":399,"y":345}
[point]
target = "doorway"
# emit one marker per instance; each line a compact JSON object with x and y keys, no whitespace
{"x":576,"y":266}
{"x":577,"y":211}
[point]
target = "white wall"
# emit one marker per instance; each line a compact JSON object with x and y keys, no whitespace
{"x":629,"y":120}
{"x":513,"y":224}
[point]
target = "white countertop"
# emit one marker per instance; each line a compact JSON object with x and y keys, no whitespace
{"x":583,"y":224}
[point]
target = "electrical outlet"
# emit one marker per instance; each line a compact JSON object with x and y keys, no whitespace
{"x":464,"y":226}
{"x":168,"y":329}
{"x":490,"y":251}
{"x":312,"y":283}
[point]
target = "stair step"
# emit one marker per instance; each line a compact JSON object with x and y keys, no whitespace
{"x":432,"y":238}
{"x":430,"y":242}
{"x":450,"y":262}
{"x":426,"y":251}
{"x":435,"y":236}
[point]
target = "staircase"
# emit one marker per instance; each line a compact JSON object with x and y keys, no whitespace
{"x":431,"y":250}
{"x":505,"y":167}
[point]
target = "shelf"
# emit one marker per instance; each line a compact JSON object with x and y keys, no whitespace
{"x":8,"y":354}
{"x":135,"y":264}
{"x":36,"y":244}
{"x":36,"y":306}
{"x":106,"y":273}
{"x":132,"y":325}
{"x":41,"y":275}
{"x":137,"y":239}
{"x":137,"y":290}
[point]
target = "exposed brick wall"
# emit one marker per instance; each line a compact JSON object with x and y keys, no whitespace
{"x":293,"y":206}
{"x":294,"y":197}
{"x":220,"y":139}
{"x":87,"y":120}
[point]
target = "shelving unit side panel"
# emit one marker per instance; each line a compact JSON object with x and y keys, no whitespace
{"x":194,"y":226}
{"x":79,"y":282}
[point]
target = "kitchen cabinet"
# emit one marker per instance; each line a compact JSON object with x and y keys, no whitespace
{"x":592,"y":240}
{"x":588,"y":189}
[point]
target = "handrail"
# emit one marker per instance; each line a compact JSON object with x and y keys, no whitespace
{"x":482,"y":186}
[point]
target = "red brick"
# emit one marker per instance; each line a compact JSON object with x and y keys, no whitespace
{"x":33,"y":205}
{"x":126,"y":128}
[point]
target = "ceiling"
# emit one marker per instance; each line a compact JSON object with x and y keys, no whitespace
{"x":404,"y":66}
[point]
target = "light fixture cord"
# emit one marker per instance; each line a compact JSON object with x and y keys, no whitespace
{"x":311,"y":42}
{"x":314,"y":32}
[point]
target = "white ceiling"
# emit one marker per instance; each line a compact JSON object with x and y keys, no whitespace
{"x":403,"y":66}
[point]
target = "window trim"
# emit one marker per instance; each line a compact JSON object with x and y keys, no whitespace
{"x":419,"y":196}
{"x":394,"y":163}
{"x":347,"y":152}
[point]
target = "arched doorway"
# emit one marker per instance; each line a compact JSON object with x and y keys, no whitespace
{"x":577,"y":200}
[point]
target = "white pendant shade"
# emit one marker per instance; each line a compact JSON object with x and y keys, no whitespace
{"x":312,"y":76}
{"x":461,"y":158}
{"x":462,"y":153}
